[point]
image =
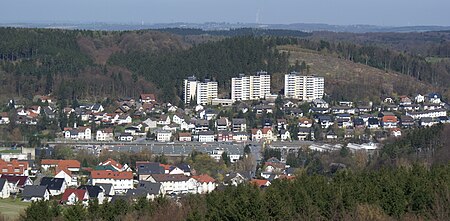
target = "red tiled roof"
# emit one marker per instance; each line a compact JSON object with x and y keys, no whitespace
{"x":80,"y":193}
{"x":148,"y":97}
{"x":391,"y":119}
{"x":204,"y":178}
{"x":107,"y":174}
{"x":10,"y":167}
{"x":166,"y":166}
{"x":259,"y":182}
{"x":49,"y":161}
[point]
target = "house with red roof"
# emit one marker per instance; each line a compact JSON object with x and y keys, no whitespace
{"x":260,"y":183}
{"x":389,"y":121}
{"x":147,"y":98}
{"x":121,"y":181}
{"x":73,"y":196}
{"x":70,"y":165}
{"x":15,"y":167}
{"x":205,"y":183}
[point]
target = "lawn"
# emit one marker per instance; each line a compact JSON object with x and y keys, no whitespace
{"x":11,"y":208}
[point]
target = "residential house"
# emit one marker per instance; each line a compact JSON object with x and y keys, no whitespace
{"x":163,"y":120}
{"x":320,"y":103}
{"x":208,"y":114}
{"x":69,"y":178}
{"x":217,"y":155}
{"x":178,"y":119}
{"x":419,"y":98}
{"x":427,"y":122}
{"x":205,"y":136}
{"x":106,"y":134}
{"x":151,"y":124}
{"x":125,"y":137}
{"x":97,"y":108}
{"x":389,"y":121}
{"x":74,"y":196}
{"x":163,"y":136}
{"x":284,"y":135}
{"x":239,"y":125}
{"x":122,"y":119}
{"x":56,"y":186}
{"x":205,"y":183}
{"x":80,"y":133}
{"x":15,"y":167}
{"x":396,"y":132}
{"x":428,"y":113}
{"x":282,"y":124}
{"x":222,"y":123}
{"x":147,"y":98}
{"x":184,"y":137}
{"x":434,"y":98}
{"x":121,"y":181}
{"x":406,"y":121}
{"x":94,"y":192}
{"x":224,"y":136}
{"x":325,"y":121}
{"x":404,"y":100}
{"x":5,"y":190}
{"x":233,"y":179}
{"x":108,"y":188}
{"x":264,"y":134}
{"x":304,"y":133}
{"x":17,"y":183}
{"x":305,"y":123}
{"x":373,"y":123}
{"x":146,"y":169}
{"x":151,"y":190}
{"x":240,"y":136}
{"x":34,"y":193}
{"x":201,"y":125}
{"x":4,"y":118}
{"x":174,"y":183}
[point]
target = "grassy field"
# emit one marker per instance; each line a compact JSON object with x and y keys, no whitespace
{"x":11,"y":208}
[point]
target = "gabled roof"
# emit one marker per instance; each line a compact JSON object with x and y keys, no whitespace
{"x":151,"y":188}
{"x":80,"y":193}
{"x":52,"y":183}
{"x":184,"y":167}
{"x":34,"y":191}
{"x":93,"y":191}
{"x":389,"y":119}
{"x":106,"y":187}
{"x":170,"y":177}
{"x":111,"y":162}
{"x":260,"y":183}
{"x":106,"y":174}
{"x":146,"y":168}
{"x":20,"y":180}
{"x":148,"y":97}
{"x":204,"y":178}
{"x":3,"y":181}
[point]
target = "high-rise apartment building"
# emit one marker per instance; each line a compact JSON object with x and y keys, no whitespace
{"x":250,"y":87}
{"x":303,"y":87}
{"x":201,"y":92}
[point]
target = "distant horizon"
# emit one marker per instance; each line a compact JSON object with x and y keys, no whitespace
{"x":385,"y":13}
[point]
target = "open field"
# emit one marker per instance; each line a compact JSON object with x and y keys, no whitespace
{"x":11,"y":208}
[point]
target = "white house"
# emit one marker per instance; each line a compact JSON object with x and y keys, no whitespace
{"x":70,"y":179}
{"x":185,"y":137}
{"x":5,"y":190}
{"x":206,"y":136}
{"x":33,"y":193}
{"x":106,"y":134}
{"x":205,"y":183}
{"x":121,"y":181}
{"x":56,"y":186}
{"x":264,"y":134}
{"x":80,"y":133}
{"x":73,"y":196}
{"x":4,"y":118}
{"x":163,"y":135}
{"x":174,"y":183}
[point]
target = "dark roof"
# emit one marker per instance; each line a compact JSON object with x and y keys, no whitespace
{"x":238,"y":121}
{"x":14,"y":179}
{"x":106,"y":186}
{"x":2,"y":183}
{"x":136,"y":193}
{"x":184,"y":167}
{"x":93,"y":191}
{"x":150,"y":168}
{"x":33,"y":191}
{"x":170,"y":177}
{"x":151,"y":188}
{"x":209,"y":132}
{"x":373,"y":120}
{"x":52,"y":183}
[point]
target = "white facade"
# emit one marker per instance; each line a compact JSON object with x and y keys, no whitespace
{"x":163,"y":136}
{"x":104,"y":135}
{"x":303,"y":87}
{"x":5,"y":190}
{"x":120,"y":185}
{"x":202,"y":92}
{"x":250,"y":87}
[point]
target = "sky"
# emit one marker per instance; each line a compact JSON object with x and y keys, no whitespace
{"x":337,"y":12}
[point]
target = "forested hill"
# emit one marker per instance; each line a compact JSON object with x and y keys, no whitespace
{"x":96,"y":64}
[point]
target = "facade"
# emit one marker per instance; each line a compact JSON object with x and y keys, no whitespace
{"x":253,"y":87}
{"x":121,"y":181}
{"x":163,"y":135}
{"x":303,"y":87}
{"x":106,"y":134}
{"x":202,"y":92}
{"x":174,"y":183}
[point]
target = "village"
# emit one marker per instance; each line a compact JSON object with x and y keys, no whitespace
{"x":251,"y":117}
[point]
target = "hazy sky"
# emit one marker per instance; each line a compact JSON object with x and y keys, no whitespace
{"x":374,"y":12}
